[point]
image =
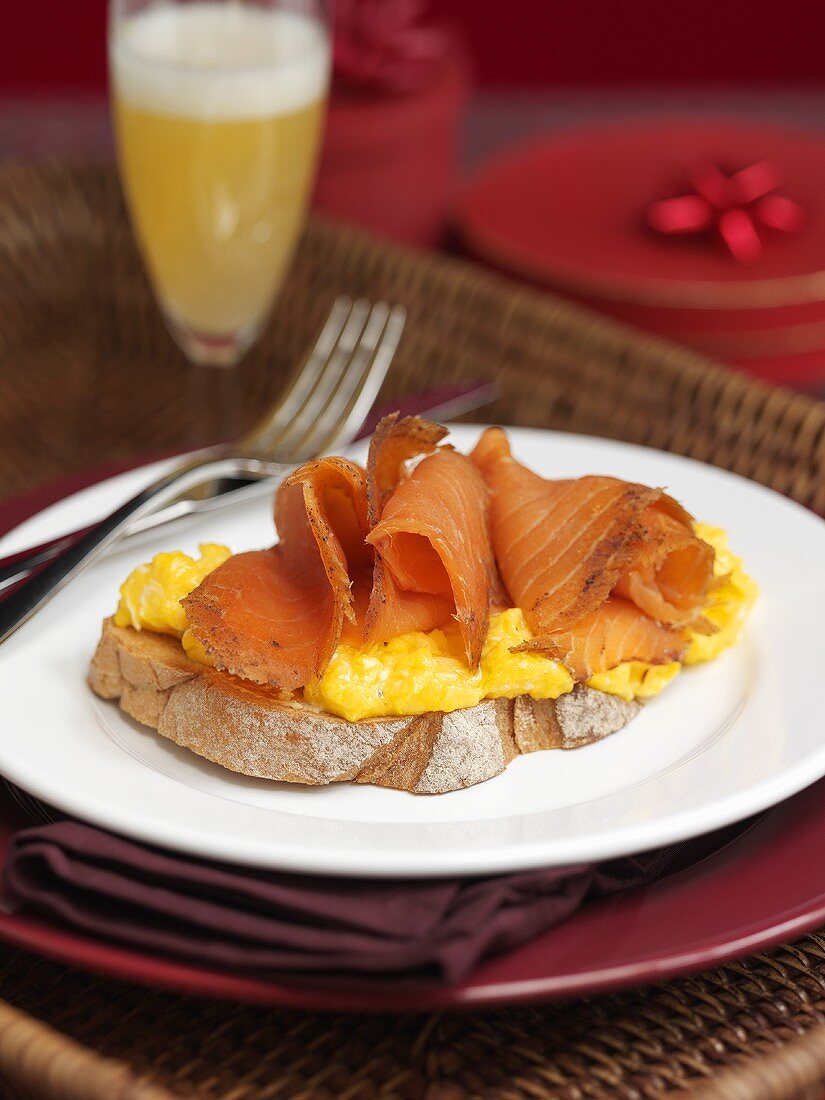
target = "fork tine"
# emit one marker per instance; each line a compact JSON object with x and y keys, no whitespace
{"x":32,"y":807}
{"x":287,"y":443}
{"x":332,"y":381}
{"x":334,"y":390}
{"x":266,"y":432}
{"x":349,"y":406}
{"x":365,"y":396}
{"x":339,"y":396}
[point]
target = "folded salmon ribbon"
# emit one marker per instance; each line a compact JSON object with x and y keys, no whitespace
{"x":605,"y":571}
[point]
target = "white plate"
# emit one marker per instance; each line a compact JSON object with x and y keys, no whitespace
{"x":722,"y":742}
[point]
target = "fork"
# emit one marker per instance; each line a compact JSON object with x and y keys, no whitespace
{"x":36,"y":811}
{"x":324,"y":406}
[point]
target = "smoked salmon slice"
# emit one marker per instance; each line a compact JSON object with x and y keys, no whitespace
{"x":275,"y":616}
{"x":391,"y":611}
{"x":564,"y":547}
{"x":362,"y":555}
{"x":434,"y":555}
{"x":433,"y":540}
{"x":612,"y":634}
{"x":673,"y":569}
{"x":394,"y":443}
{"x":561,"y":546}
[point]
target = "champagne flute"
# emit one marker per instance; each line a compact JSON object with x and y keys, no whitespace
{"x":218,"y":109}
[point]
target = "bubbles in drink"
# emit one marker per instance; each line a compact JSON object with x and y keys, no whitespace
{"x":220,"y":60}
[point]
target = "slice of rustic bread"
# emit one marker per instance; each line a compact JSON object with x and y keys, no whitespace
{"x":250,"y":730}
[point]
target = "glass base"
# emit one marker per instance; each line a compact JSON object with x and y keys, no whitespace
{"x":212,"y":350}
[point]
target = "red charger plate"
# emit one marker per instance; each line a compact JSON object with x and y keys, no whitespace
{"x":764,"y":886}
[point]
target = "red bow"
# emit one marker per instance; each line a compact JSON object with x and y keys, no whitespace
{"x":736,"y":207}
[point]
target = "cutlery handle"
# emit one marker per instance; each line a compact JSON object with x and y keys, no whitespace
{"x":16,"y":566}
{"x":17,"y":608}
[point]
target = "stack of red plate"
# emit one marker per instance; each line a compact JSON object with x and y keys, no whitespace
{"x":573,"y":213}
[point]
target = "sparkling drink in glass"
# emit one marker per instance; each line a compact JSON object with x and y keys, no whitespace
{"x":219,"y":108}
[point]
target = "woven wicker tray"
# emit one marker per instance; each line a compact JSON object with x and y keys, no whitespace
{"x":88,"y":375}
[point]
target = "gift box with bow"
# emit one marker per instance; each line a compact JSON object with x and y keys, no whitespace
{"x":705,"y":230}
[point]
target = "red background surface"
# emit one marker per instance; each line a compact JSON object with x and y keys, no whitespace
{"x":51,"y":45}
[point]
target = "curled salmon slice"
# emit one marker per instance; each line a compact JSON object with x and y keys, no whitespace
{"x":434,"y":555}
{"x":390,"y":610}
{"x":615,"y":632}
{"x":565,"y":547}
{"x":395,"y":442}
{"x":262,"y":617}
{"x":673,"y":569}
{"x":561,"y":546}
{"x":275,"y":616}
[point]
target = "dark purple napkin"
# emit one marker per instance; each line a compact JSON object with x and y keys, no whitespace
{"x":250,"y":921}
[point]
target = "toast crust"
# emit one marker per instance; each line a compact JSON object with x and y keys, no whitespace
{"x":248,"y":729}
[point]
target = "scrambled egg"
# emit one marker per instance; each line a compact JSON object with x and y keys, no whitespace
{"x":417,"y":672}
{"x":728,"y":606}
{"x":635,"y":679}
{"x":194,"y":650}
{"x":151,"y":594}
{"x":729,"y":603}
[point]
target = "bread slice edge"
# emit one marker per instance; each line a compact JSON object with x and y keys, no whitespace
{"x":249,"y":730}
